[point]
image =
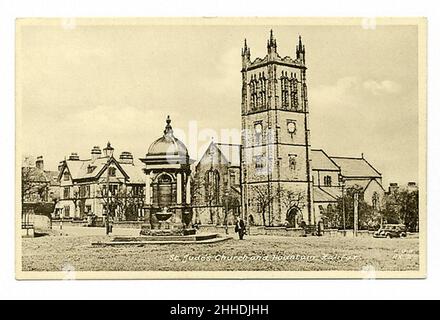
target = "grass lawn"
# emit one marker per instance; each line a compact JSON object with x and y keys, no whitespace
{"x":267,"y":253}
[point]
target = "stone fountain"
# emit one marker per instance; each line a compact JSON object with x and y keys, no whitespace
{"x":167,"y":223}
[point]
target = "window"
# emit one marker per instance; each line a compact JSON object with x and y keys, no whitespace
{"x":233,"y":181}
{"x":292,"y":162}
{"x":259,"y":162}
{"x":90,"y":169}
{"x":138,"y":190}
{"x":327,"y":181}
{"x":212,"y":187}
{"x":294,"y":93}
{"x":84,"y":191}
{"x":253,"y":90}
{"x":66,"y":193}
{"x":113,"y":189}
{"x":66,"y":176}
{"x":67,"y":211}
{"x":112,"y":172}
{"x":258,"y":127}
{"x":284,"y":90}
{"x":375,"y":201}
{"x":88,"y":209}
{"x":257,"y":88}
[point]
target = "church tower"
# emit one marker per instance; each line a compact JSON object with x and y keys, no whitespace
{"x":276,"y":172}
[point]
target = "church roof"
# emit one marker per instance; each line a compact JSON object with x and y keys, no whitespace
{"x":231,"y":152}
{"x":321,"y":161}
{"x":356,"y":167}
{"x":222,"y":153}
{"x":319,"y":195}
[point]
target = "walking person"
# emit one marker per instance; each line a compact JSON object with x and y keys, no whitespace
{"x":240,"y":228}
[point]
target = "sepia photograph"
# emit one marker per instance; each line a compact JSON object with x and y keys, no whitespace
{"x":220,"y":148}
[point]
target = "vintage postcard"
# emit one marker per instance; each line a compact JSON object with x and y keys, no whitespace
{"x":220,"y":148}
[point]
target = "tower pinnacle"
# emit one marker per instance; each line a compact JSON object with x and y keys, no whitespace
{"x":271,"y":43}
{"x":300,"y":50}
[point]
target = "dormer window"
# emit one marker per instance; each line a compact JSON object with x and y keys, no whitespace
{"x":90,"y":169}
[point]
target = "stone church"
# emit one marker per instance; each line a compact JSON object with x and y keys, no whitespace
{"x":279,"y":179}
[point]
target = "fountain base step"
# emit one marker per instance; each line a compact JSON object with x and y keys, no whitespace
{"x":170,"y":239}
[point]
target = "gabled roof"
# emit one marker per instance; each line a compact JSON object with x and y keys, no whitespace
{"x":134,"y":171}
{"x":356,"y":167}
{"x":52,"y":177}
{"x":321,"y":161}
{"x":231,"y":152}
{"x":79,"y":169}
{"x":227,"y":153}
{"x":319,"y":195}
{"x":362,"y":183}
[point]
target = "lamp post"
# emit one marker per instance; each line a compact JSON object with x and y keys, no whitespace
{"x":343,"y":204}
{"x":356,"y":213}
{"x":107,"y":229}
{"x":226,"y":211}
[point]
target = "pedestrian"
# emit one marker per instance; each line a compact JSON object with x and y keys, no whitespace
{"x":240,"y":228}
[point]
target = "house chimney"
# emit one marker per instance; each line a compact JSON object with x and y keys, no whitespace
{"x":393,"y":187}
{"x":39,"y":163}
{"x":412,"y":186}
{"x":126,"y":157}
{"x":96,"y":153}
{"x":74,"y":156}
{"x":60,"y":165}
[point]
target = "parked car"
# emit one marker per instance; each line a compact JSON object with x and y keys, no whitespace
{"x":391,"y":231}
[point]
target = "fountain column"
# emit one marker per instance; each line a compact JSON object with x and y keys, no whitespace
{"x":179,"y":188}
{"x":188,"y":189}
{"x":147,"y":189}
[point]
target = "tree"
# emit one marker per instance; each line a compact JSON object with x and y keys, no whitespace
{"x":402,"y":206}
{"x":369,"y":218}
{"x":231,"y":199}
{"x":108,"y":200}
{"x":263,"y":198}
{"x":34,"y":186}
{"x":123,"y":204}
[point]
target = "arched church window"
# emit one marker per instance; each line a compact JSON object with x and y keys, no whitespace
{"x":212,"y":187}
{"x":253,"y":89}
{"x":375,"y":201}
{"x":263,"y":91}
{"x":294,"y":93}
{"x":284,"y":91}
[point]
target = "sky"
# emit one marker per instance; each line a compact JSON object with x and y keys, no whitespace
{"x":83,"y":85}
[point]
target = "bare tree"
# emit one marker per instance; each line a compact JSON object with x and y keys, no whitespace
{"x":263,"y":198}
